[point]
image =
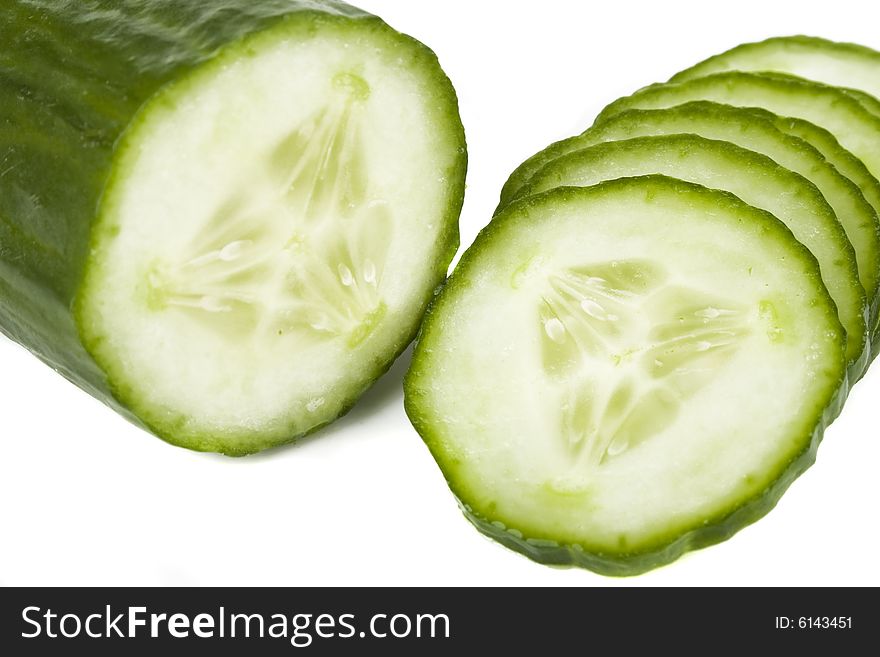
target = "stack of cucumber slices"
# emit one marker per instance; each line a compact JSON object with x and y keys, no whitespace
{"x":642,"y":350}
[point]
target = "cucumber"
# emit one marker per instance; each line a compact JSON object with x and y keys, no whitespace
{"x":615,"y":375}
{"x":868,"y":102}
{"x":754,"y":178}
{"x":854,"y":127}
{"x":835,"y":154}
{"x":755,"y":130}
{"x":819,"y":138}
{"x":847,"y":164}
{"x":225,"y":221}
{"x":847,"y":65}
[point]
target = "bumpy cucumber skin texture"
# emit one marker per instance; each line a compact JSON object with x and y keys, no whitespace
{"x":666,"y":549}
{"x":75,"y":76}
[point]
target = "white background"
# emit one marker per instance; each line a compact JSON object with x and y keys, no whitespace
{"x":89,"y":499}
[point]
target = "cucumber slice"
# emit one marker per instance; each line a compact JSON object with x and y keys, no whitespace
{"x":754,"y":178}
{"x":822,"y":140}
{"x":521,"y":176}
{"x":847,"y":164}
{"x":755,"y":130}
{"x":854,"y":127}
{"x":618,"y":374}
{"x":868,"y":102}
{"x":836,"y":155}
{"x":277,"y":189}
{"x":838,"y":64}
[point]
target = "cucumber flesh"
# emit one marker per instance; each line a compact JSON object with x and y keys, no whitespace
{"x":837,"y":64}
{"x":754,"y":178}
{"x":618,"y":374}
{"x":854,"y":127}
{"x":755,"y":130}
{"x":267,"y":291}
{"x":848,"y":165}
{"x":835,"y":154}
{"x":819,"y":138}
{"x":272,"y":220}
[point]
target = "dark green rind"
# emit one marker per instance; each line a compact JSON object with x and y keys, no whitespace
{"x":711,"y":155}
{"x":722,"y":525}
{"x":73,"y":77}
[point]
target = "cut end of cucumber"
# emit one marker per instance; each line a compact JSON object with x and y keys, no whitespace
{"x":272,"y":231}
{"x":298,"y":246}
{"x":617,"y":374}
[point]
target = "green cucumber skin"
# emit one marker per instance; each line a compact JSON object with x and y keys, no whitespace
{"x":863,"y":183}
{"x":697,"y":113}
{"x":848,"y":165}
{"x":806,"y":90}
{"x":797,"y":45}
{"x":624,"y":564}
{"x":715,"y":531}
{"x":796,"y":41}
{"x":814,"y":135}
{"x":73,"y":76}
{"x":592,"y":158}
{"x":857,"y":164}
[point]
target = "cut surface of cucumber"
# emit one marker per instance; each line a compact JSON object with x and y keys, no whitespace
{"x":615,"y":375}
{"x":755,"y":130}
{"x":833,"y":63}
{"x":754,"y":178}
{"x":273,"y":215}
{"x":836,"y":155}
{"x":854,"y":127}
